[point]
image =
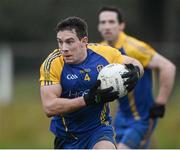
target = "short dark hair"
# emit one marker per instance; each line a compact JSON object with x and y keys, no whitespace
{"x":113,"y":9}
{"x":76,"y":23}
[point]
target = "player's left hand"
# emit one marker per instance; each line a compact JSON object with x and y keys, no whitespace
{"x":97,"y":96}
{"x":132,"y":76}
{"x":157,"y":111}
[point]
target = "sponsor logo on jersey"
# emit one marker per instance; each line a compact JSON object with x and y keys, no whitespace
{"x":73,"y":94}
{"x":85,"y":71}
{"x":72,"y":77}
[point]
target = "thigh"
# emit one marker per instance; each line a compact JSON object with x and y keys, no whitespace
{"x":146,"y":139}
{"x":131,"y":138}
{"x":137,"y":135}
{"x":104,"y":145}
{"x":120,"y":131}
{"x":103,"y":137}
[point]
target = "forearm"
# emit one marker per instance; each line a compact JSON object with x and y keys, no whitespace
{"x":62,"y":105}
{"x":137,"y":63}
{"x":166,"y":82}
{"x":129,"y":60}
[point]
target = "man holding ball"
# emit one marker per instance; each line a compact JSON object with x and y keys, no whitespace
{"x":70,"y":91}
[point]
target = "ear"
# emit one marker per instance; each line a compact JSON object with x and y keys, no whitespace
{"x":84,"y":40}
{"x":122,"y":26}
{"x":98,"y":27}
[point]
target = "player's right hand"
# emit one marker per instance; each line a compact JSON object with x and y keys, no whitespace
{"x":132,"y":76}
{"x":97,"y":96}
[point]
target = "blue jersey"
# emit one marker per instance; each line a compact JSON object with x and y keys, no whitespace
{"x":76,"y":80}
{"x":136,"y":105}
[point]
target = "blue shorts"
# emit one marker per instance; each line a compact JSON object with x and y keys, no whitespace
{"x":135,"y":134}
{"x":87,"y":140}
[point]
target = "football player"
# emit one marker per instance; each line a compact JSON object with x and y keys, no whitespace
{"x":70,"y":90}
{"x":138,"y":111}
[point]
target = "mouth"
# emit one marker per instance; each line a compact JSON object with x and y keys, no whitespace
{"x":108,"y":33}
{"x":67,"y":57}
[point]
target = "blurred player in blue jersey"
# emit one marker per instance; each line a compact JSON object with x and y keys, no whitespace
{"x":70,"y":90}
{"x":138,"y":111}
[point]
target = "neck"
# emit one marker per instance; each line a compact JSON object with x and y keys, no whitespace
{"x":83,"y":56}
{"x":113,"y":41}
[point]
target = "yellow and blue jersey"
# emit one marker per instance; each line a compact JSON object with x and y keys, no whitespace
{"x":76,"y":80}
{"x":136,"y":104}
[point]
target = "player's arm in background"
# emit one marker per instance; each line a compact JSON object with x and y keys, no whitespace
{"x":167,"y":71}
{"x":130,"y":60}
{"x":151,"y":59}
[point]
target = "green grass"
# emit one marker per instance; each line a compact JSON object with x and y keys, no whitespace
{"x":168,"y":130}
{"x":24,"y":125}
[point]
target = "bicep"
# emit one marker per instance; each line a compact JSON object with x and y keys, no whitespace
{"x":157,"y":62}
{"x":141,"y":51}
{"x":129,"y":60}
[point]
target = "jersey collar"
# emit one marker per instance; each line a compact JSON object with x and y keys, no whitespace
{"x":121,"y":40}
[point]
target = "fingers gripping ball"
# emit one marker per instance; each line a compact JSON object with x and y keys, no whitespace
{"x":111,"y":75}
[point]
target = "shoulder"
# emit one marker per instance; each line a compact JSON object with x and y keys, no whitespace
{"x":50,"y":70}
{"x":103,"y":49}
{"x":132,"y":42}
{"x":54,"y":59}
{"x":53,"y":64}
{"x":139,"y":50}
{"x":108,"y":52}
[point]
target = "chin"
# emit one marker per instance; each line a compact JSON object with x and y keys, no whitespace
{"x":108,"y":38}
{"x":69,"y":62}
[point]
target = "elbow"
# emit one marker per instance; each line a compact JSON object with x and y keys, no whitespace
{"x":51,"y":109}
{"x":172,"y":67}
{"x":48,"y":110}
{"x":167,"y":66}
{"x":48,"y":114}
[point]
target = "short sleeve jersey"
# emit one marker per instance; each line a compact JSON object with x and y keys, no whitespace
{"x":136,"y":104}
{"x":76,"y":80}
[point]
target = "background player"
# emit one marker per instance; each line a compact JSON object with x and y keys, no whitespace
{"x":69,"y":88}
{"x":138,"y":112}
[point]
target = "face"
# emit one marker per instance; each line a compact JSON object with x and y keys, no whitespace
{"x":73,"y":50}
{"x":109,"y":27}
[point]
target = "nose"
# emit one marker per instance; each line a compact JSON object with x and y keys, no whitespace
{"x":64,"y":51}
{"x":106,"y":26}
{"x":64,"y":48}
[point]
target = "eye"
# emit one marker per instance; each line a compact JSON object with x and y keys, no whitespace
{"x":102,"y":22}
{"x":59,"y":41}
{"x":111,"y":21}
{"x":70,"y":41}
